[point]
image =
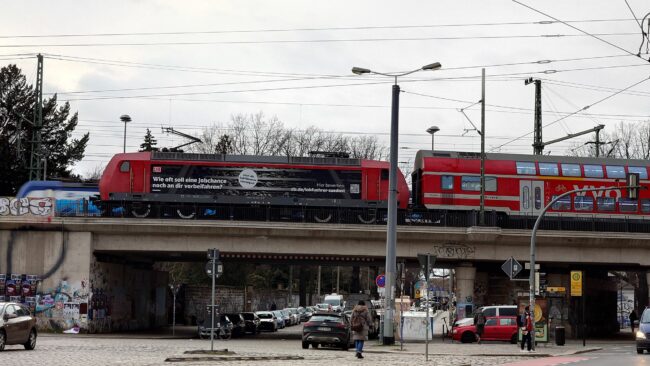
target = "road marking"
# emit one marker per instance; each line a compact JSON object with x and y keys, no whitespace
{"x":548,"y":361}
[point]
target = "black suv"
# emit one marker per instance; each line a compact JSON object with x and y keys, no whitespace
{"x":252,"y":322}
{"x":238,"y":323}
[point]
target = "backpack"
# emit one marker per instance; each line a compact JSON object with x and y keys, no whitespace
{"x":357,"y":323}
{"x":520,"y":320}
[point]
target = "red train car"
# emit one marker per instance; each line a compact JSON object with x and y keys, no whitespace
{"x":522,"y":185}
{"x":193,"y":182}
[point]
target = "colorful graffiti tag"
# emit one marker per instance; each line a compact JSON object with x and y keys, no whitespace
{"x":11,"y":206}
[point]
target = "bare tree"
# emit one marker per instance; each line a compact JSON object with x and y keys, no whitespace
{"x":95,"y":173}
{"x":627,"y":141}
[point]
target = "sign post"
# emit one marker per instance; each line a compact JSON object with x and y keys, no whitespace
{"x":426,"y":263}
{"x":214,"y":269}
{"x":577,"y":286}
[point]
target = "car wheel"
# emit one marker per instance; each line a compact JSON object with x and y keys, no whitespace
{"x":467,"y":337}
{"x":513,"y":339}
{"x":305,"y":345}
{"x":638,"y":350}
{"x":3,"y":340}
{"x":31,"y":342}
{"x":314,"y":345}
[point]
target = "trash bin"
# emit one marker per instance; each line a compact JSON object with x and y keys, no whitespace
{"x":559,"y":336}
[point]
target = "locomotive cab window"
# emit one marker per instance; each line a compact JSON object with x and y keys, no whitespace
{"x":606,"y":204}
{"x":615,"y":171}
{"x":548,"y":169}
{"x":583,"y":203}
{"x":593,"y":171}
{"x":563,"y":204}
{"x":640,"y":170}
{"x":384,"y":174}
{"x":526,"y":168}
{"x":125,"y":166}
{"x":571,"y":170}
{"x":628,"y":205}
{"x":447,"y":182}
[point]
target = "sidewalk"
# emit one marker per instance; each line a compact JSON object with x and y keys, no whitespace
{"x":437,"y":347}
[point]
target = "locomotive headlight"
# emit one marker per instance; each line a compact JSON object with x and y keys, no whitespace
{"x":640,"y":335}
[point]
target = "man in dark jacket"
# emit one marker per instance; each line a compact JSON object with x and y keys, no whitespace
{"x":527,"y":330}
{"x":479,"y":322}
{"x":361,"y":315}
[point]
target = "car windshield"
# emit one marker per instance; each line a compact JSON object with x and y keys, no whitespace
{"x":333,"y":302}
{"x":323,"y":305}
{"x":645,"y":317}
{"x":325,"y":318}
{"x":248,"y":316}
{"x":265,"y":315}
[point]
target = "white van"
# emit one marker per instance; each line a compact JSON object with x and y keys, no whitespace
{"x":336,"y":301}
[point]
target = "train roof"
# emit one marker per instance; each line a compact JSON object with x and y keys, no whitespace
{"x":33,"y":185}
{"x":310,"y":160}
{"x":421,"y":154}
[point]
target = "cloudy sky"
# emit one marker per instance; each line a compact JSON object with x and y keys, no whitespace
{"x":189,"y":64}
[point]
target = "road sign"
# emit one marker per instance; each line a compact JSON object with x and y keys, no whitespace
{"x":511,"y":267}
{"x":380,"y":280}
{"x":218,"y":268}
{"x":576,"y":283}
{"x":213,"y":253}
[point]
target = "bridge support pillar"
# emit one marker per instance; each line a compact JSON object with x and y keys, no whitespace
{"x":465,"y":277}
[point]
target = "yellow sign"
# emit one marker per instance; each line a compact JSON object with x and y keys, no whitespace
{"x":556,"y":289}
{"x":576,"y":283}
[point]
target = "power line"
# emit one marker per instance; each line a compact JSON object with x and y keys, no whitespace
{"x":68,"y":35}
{"x":331,"y":40}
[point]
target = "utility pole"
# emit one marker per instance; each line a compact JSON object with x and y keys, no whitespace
{"x":538,"y":145}
{"x":481,"y":219}
{"x":35,"y":159}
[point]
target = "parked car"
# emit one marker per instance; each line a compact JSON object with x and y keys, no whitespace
{"x":305,"y":313}
{"x":497,"y":328}
{"x":268,"y":321}
{"x":238,"y":323}
{"x":289,"y":320}
{"x":324,"y":307}
{"x":643,"y":334}
{"x":223,"y":326}
{"x":17,"y":326}
{"x":282,"y":322}
{"x":295,"y":315}
{"x":253,"y":323}
{"x":327,"y":329}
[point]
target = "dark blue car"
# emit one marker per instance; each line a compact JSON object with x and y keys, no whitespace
{"x":643,"y":334}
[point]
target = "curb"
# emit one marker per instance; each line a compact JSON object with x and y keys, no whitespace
{"x":234,"y":358}
{"x":579,"y":351}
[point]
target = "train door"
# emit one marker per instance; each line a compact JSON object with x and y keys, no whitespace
{"x":531,"y":197}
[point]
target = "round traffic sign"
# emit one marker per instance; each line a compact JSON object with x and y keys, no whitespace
{"x":380,"y":280}
{"x":218,"y":268}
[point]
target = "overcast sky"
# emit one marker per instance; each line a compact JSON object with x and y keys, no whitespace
{"x":292,"y":59}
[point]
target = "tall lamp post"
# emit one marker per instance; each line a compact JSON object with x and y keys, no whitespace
{"x":126,"y":119}
{"x":391,"y":237}
{"x":432,"y":130}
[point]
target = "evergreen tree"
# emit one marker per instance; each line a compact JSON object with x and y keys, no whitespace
{"x":17,"y":100}
{"x":224,"y":146}
{"x":149,"y":142}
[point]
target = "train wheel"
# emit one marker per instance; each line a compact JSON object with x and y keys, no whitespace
{"x":140,"y":211}
{"x":369,"y":220}
{"x":322,"y":218}
{"x":186,"y":212}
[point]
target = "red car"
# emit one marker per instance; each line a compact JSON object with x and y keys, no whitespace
{"x":498,"y":328}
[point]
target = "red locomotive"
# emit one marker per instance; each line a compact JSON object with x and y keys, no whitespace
{"x":195,"y":184}
{"x":522,"y":185}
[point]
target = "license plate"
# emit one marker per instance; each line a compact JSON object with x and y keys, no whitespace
{"x":325,"y":329}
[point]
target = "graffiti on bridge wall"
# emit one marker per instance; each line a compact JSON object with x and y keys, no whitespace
{"x":11,"y":206}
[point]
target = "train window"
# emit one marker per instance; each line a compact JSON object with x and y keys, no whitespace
{"x":447,"y":182}
{"x":583,"y":203}
{"x":538,"y":198}
{"x":548,"y":169}
{"x":384,"y":174}
{"x":640,"y":170}
{"x":571,"y":170}
{"x":593,"y":171}
{"x":645,"y":206}
{"x":470,"y":183}
{"x":525,"y":198}
{"x":628,"y":205}
{"x":563,"y":204}
{"x":606,"y":204}
{"x":615,"y":171}
{"x":473,"y":183}
{"x":526,"y":168}
{"x":125,"y":166}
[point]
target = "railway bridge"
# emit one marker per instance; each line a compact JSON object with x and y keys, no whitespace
{"x":83,"y":260}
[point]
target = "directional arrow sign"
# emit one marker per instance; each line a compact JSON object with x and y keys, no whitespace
{"x":511,"y":267}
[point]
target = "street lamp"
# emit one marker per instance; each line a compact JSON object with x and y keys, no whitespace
{"x":391,"y":237}
{"x":126,"y":119}
{"x":432,"y":130}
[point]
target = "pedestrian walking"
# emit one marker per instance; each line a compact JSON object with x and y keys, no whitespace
{"x":633,"y":318}
{"x":479,"y":322}
{"x":361,"y":322}
{"x":527,"y":330}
